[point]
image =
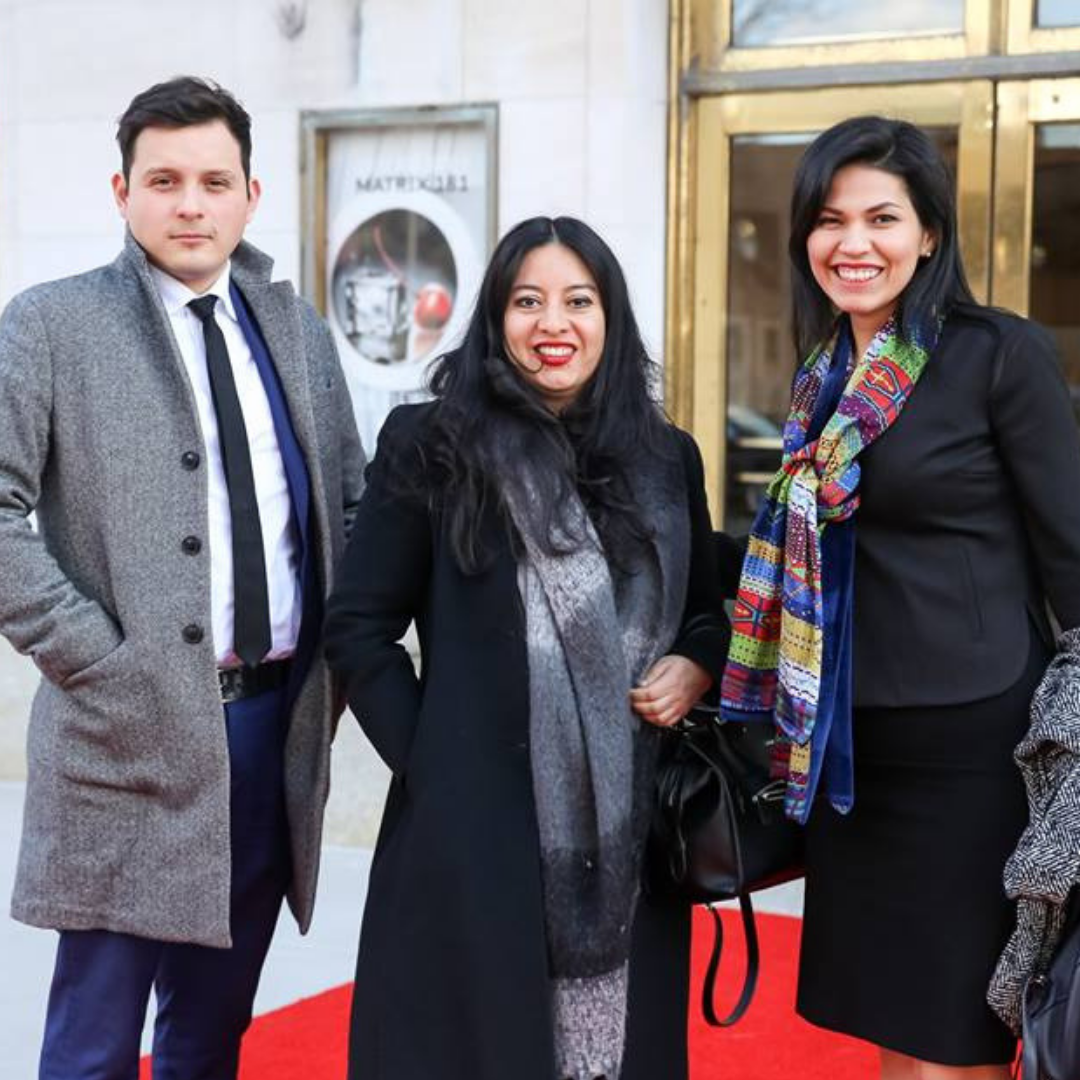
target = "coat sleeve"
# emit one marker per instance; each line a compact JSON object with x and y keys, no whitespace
{"x":351,"y":451}
{"x":1038,"y":438}
{"x":705,"y":630}
{"x":380,"y":589}
{"x":42,"y":611}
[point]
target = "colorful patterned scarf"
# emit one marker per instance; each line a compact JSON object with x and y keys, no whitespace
{"x":781,"y":620}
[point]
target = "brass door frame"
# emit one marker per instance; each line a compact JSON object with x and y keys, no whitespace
{"x":696,"y":372}
{"x":711,"y":29}
{"x":1022,"y":105}
{"x":1022,"y":37}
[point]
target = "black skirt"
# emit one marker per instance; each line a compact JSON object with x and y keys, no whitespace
{"x":905,"y":914}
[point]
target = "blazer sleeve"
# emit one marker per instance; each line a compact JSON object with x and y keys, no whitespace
{"x":351,"y":451}
{"x":1037,"y":434}
{"x":42,"y":611}
{"x":705,"y":630}
{"x":730,"y":555}
{"x":380,"y":589}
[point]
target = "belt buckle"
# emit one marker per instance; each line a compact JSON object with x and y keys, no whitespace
{"x":231,"y":683}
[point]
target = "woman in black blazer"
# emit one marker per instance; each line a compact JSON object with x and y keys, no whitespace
{"x":945,"y":462}
{"x":547,"y":529}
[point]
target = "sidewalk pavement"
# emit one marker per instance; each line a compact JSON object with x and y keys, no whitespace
{"x":297,"y":967}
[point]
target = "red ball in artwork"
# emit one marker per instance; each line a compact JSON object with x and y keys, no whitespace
{"x":433,"y":306}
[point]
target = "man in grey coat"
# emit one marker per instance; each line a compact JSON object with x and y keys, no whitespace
{"x":182,"y":429}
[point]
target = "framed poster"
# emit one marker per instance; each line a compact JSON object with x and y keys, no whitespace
{"x":399,"y":216}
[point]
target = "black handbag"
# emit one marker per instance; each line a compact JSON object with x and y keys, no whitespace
{"x":719,"y":831}
{"x":1051,"y":1010}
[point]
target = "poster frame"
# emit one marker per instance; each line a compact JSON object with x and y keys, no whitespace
{"x":318,"y":128}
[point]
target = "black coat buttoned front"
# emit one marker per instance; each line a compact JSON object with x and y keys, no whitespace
{"x":452,"y":970}
{"x":969,"y":519}
{"x":969,"y":525}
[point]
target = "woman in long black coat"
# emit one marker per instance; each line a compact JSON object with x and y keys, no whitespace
{"x":546,"y":528}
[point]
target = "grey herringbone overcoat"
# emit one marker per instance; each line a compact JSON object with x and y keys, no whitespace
{"x":126,"y":824}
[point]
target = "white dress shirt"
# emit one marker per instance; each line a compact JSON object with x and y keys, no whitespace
{"x":280,"y":546}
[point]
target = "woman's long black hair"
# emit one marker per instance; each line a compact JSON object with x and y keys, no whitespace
{"x":489,"y":426}
{"x":906,"y":151}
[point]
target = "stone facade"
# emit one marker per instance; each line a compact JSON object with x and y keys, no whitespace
{"x":581,"y":89}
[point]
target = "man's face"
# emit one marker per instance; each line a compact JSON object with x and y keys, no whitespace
{"x":186,"y":200}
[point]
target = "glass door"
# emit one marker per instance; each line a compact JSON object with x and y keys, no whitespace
{"x":1036,"y":225}
{"x":741,"y":356}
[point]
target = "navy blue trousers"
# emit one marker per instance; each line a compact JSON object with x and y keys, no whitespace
{"x":102,"y":980}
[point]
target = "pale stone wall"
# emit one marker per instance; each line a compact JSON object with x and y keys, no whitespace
{"x":581,"y":89}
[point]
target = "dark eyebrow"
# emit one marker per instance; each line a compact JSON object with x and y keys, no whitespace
{"x":169,"y":170}
{"x":569,"y":288}
{"x":869,"y":210}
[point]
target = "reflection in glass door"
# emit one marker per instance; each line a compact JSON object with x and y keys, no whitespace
{"x":760,"y":356}
{"x":755,"y":23}
{"x":1037,"y":211}
{"x":743,"y":355}
{"x":1055,"y":242}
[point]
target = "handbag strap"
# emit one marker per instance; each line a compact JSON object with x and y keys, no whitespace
{"x":752,"y":966}
{"x":1029,"y":1059}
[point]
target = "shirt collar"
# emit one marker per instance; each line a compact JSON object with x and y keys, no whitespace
{"x":176,"y":296}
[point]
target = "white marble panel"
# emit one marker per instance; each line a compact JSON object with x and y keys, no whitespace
{"x":315,"y":66}
{"x":640,"y":250}
{"x":611,"y":136}
{"x":625,"y":197}
{"x":10,"y":271}
{"x":7,"y":61}
{"x":45,"y":258}
{"x":411,"y":53}
{"x":63,"y":181}
{"x":282,"y":245}
{"x":628,"y":48}
{"x":88,"y":58}
{"x":10,"y":166}
{"x":541,"y":159}
{"x":525,"y":50}
{"x":626,"y":161}
{"x":276,"y":162}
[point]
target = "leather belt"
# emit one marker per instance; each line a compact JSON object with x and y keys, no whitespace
{"x":244,"y":682}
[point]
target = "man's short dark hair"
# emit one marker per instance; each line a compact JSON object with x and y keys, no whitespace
{"x":182,"y":102}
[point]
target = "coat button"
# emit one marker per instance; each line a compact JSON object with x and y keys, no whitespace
{"x":190,"y":460}
{"x":192,"y":633}
{"x":191,"y":545}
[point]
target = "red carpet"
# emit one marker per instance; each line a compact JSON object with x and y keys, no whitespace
{"x":770,"y":1042}
{"x":306,"y":1040}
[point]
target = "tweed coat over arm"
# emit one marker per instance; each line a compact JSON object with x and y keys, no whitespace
{"x":126,"y":824}
{"x":1044,"y":871}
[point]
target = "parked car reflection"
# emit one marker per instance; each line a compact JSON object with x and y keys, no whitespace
{"x":754,"y":444}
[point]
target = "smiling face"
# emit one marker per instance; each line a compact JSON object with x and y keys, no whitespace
{"x":187,"y":200}
{"x":866,"y":245}
{"x":553,"y":327}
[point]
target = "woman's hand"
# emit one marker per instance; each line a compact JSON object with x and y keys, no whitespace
{"x":669,"y":689}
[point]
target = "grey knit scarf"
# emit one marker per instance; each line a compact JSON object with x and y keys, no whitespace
{"x":592,"y":634}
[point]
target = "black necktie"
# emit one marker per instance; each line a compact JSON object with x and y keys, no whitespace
{"x":251,"y":616}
